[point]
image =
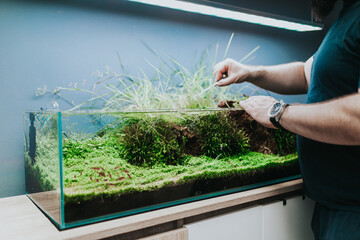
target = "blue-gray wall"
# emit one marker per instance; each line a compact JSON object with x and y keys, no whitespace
{"x":58,"y":43}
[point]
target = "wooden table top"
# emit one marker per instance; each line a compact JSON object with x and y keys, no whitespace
{"x":21,"y":219}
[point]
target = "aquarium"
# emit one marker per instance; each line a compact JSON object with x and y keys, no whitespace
{"x":84,"y":167}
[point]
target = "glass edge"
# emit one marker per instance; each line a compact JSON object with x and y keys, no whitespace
{"x":25,"y":143}
{"x":62,"y":211}
{"x":86,"y":112}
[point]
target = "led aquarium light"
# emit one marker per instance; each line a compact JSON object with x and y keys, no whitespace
{"x":239,"y":14}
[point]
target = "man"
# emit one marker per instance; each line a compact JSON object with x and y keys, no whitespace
{"x":328,"y":126}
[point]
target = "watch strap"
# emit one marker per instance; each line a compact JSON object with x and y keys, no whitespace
{"x":276,"y":120}
{"x":275,"y":123}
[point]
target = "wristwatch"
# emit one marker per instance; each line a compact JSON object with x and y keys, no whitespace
{"x":275,"y":113}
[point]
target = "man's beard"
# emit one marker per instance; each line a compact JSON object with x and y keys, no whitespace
{"x":322,"y":8}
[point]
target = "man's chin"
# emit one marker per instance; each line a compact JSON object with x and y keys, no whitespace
{"x":322,"y":8}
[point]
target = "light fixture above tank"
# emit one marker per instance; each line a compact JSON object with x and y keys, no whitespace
{"x":235,"y":13}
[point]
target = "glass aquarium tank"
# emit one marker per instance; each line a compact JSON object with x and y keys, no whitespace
{"x":84,"y":167}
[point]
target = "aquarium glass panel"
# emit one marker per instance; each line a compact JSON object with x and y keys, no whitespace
{"x":121,"y":163}
{"x":42,"y":163}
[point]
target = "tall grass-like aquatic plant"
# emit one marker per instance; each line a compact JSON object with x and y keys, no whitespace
{"x":173,"y":86}
{"x":148,"y":141}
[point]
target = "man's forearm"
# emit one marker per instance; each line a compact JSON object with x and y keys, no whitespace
{"x":336,"y":121}
{"x":284,"y":79}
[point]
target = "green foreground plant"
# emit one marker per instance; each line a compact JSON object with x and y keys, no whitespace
{"x":108,"y":176}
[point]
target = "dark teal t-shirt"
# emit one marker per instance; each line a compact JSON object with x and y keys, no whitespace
{"x":331,"y":173}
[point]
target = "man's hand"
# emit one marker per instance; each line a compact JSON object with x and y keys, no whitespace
{"x":258,"y":107}
{"x":233,"y":71}
{"x":284,"y":78}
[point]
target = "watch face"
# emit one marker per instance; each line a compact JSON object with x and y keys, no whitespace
{"x":275,"y":109}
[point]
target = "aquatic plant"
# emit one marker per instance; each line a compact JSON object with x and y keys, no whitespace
{"x":148,"y":141}
{"x":285,"y":141}
{"x":90,"y":180}
{"x":173,"y":86}
{"x":45,"y":163}
{"x":218,"y":135}
{"x":84,"y":148}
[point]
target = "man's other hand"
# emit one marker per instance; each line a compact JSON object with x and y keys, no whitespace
{"x":258,"y":107}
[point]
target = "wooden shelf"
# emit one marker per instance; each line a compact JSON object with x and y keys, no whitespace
{"x":21,"y":219}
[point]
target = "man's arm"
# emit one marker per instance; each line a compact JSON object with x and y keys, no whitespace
{"x":284,"y":79}
{"x":336,"y":121}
